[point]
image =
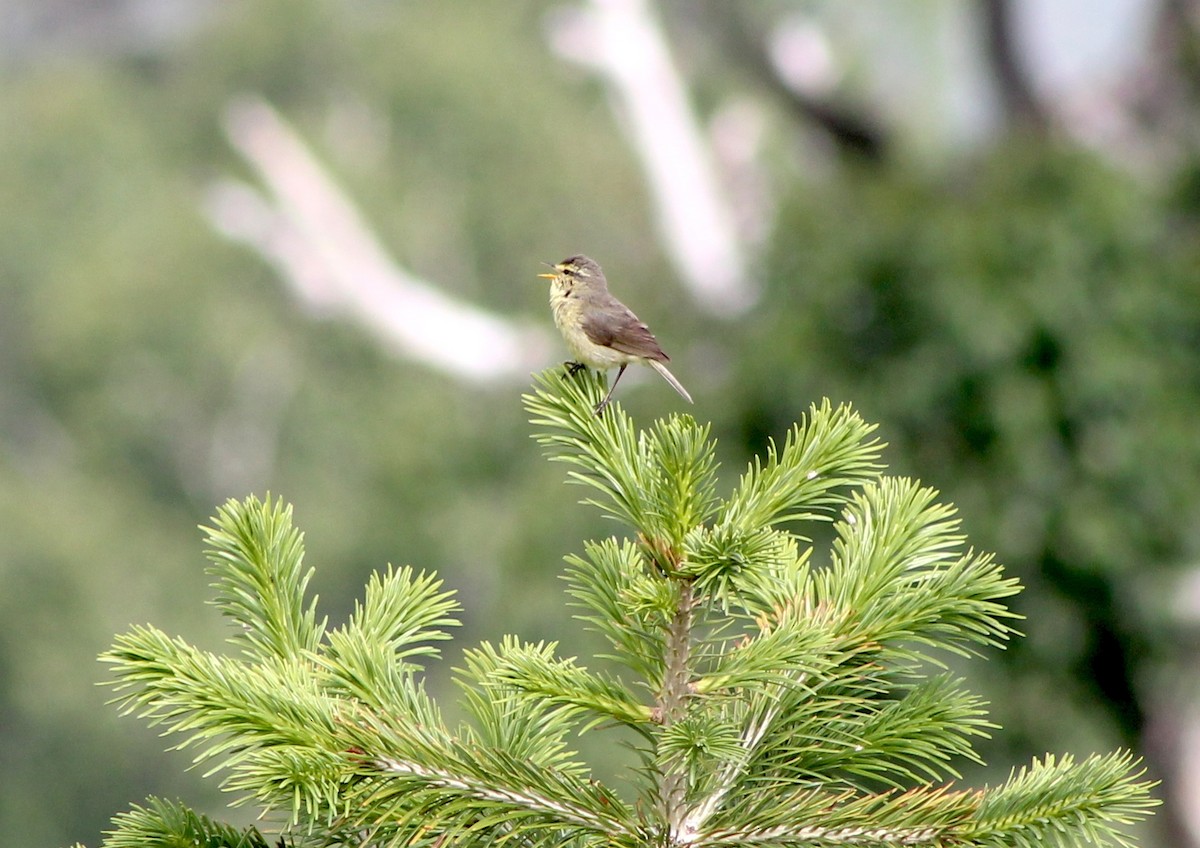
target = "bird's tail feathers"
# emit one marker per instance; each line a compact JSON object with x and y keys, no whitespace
{"x":670,"y":378}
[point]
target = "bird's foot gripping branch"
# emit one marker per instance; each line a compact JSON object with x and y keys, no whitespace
{"x":775,"y":695}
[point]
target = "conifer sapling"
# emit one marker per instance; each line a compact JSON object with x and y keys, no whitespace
{"x":778,"y":695}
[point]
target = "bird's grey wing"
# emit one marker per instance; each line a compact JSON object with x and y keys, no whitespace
{"x":621,"y":330}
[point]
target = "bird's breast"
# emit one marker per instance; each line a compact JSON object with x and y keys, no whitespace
{"x":568,"y":317}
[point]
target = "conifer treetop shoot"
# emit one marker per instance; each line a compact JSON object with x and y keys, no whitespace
{"x":778,"y":695}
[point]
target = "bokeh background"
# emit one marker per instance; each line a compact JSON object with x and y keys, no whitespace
{"x":291,"y":246}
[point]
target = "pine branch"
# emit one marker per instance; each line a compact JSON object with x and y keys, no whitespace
{"x":305,"y":782}
{"x":1058,"y":802}
{"x":661,"y":481}
{"x":607,"y":454}
{"x":506,"y":719}
{"x":914,"y":738}
{"x":628,"y":606}
{"x":216,"y":702}
{"x":924,"y":815}
{"x":164,"y":823}
{"x":532,"y":670}
{"x":824,"y":451}
{"x":370,"y":658}
{"x":895,"y":564}
{"x":414,"y":787}
{"x":683,"y":480}
{"x":257,"y":558}
{"x":790,"y":650}
{"x":270,"y":727}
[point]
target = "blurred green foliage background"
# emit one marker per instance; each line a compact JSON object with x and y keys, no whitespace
{"x":1020,"y":314}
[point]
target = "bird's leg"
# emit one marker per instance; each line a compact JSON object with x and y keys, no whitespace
{"x":574,"y":368}
{"x":600,"y":406}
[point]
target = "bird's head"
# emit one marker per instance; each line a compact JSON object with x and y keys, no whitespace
{"x":575,"y":272}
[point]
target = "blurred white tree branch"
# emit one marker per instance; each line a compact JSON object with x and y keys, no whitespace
{"x":621,"y":40}
{"x":313,"y":234}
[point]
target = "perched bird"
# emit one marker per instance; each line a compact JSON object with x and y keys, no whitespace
{"x":601,"y":331}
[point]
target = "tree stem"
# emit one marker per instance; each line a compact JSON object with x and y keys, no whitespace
{"x":672,"y":701}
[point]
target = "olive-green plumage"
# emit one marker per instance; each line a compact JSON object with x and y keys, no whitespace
{"x":601,"y":331}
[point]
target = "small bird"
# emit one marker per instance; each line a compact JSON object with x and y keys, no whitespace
{"x":601,"y":331}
